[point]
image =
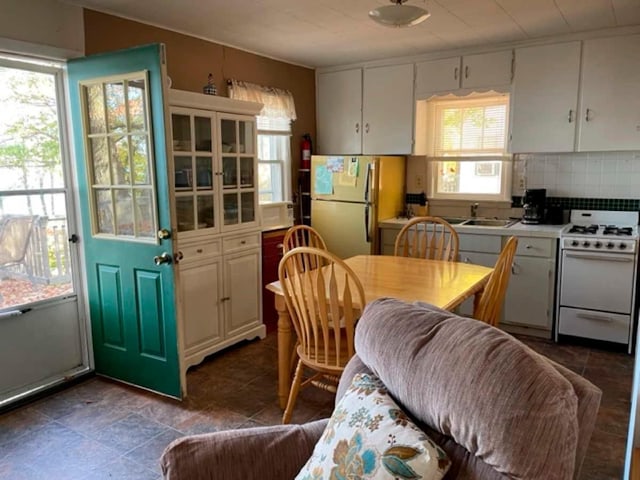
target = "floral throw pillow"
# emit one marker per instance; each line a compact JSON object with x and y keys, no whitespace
{"x":370,"y":437}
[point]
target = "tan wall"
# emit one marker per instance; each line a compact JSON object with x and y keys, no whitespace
{"x":190,"y":60}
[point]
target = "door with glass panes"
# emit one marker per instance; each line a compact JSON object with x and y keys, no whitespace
{"x":196,"y":172}
{"x":42,"y":334}
{"x":239,"y":164}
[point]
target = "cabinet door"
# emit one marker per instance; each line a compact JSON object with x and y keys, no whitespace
{"x":239,"y":171}
{"x":486,"y":70}
{"x":545,"y":96}
{"x":339,"y":112}
{"x":242,"y":291}
{"x":194,"y":169}
{"x":201,"y":313}
{"x":484,"y":259}
{"x":610,"y":103}
{"x":437,"y":76}
{"x":529,"y":298}
{"x":387,"y":110}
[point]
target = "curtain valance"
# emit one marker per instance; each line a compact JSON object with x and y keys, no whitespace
{"x":278,"y":103}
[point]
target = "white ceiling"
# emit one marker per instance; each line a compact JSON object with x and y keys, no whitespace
{"x":319,"y":33}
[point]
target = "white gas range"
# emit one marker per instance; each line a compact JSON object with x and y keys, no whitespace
{"x":597,"y":276}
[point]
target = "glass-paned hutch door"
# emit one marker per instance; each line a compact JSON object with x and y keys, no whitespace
{"x":120,"y":163}
{"x":194,"y":173}
{"x":238,"y":170}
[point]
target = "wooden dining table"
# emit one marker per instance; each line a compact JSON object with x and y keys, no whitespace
{"x":443,"y":284}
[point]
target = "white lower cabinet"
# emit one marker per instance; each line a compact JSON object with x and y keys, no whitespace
{"x":529,"y":301}
{"x":200,"y":287}
{"x":220,"y":294}
{"x":242,"y":287}
{"x":528,"y":306}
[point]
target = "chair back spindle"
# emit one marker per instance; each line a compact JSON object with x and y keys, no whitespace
{"x":428,"y":237}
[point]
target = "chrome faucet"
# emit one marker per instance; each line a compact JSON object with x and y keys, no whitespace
{"x":474,"y":210}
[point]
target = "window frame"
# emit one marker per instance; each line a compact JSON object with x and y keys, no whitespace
{"x":434,"y":106}
{"x":285,"y":165}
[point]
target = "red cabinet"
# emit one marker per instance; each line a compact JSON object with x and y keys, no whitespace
{"x":271,"y":255}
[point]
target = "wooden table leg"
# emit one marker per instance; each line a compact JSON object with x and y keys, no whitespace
{"x":284,"y":351}
{"x":476,"y":299}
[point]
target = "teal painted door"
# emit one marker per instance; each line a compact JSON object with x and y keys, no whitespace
{"x":117,"y":111}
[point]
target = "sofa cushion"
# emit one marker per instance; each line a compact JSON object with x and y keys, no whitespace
{"x":370,"y":437}
{"x":474,"y":383}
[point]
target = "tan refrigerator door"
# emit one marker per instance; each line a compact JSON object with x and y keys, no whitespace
{"x":390,"y":179}
{"x":343,"y":227}
{"x":342,"y":178}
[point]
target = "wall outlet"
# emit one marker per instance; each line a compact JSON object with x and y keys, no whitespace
{"x":419,"y":181}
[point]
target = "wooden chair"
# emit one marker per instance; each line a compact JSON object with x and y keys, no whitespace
{"x":302,"y":236}
{"x":324,"y":305}
{"x":490,"y":305}
{"x":428,"y":237}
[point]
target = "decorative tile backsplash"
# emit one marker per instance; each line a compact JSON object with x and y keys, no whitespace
{"x":570,"y":203}
{"x":594,"y":175}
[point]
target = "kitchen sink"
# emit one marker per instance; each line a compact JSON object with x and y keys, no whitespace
{"x":455,"y":220}
{"x":488,"y":222}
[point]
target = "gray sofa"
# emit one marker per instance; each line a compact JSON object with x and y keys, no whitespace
{"x":498,"y":409}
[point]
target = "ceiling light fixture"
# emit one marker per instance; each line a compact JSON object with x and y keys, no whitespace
{"x":399,"y":15}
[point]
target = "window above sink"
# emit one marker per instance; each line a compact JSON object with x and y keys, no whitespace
{"x":466,"y":145}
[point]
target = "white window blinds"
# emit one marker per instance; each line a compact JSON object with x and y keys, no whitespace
{"x":470,"y":127}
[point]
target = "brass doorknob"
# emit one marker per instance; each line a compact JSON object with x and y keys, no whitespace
{"x":162,"y":258}
{"x":163,"y":234}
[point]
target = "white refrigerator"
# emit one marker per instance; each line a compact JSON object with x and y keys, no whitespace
{"x":350,"y":195}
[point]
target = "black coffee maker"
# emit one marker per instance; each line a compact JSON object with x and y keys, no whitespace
{"x":533,"y":203}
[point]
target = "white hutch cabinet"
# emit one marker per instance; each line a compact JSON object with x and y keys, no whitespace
{"x":215,"y":189}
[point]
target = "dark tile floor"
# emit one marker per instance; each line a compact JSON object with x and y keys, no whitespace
{"x":100,"y":429}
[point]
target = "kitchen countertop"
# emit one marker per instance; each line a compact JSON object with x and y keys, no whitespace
{"x":518,"y":228}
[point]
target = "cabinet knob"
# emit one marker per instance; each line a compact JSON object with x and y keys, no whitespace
{"x":466,"y":71}
{"x":242,"y":242}
{"x":528,"y":247}
{"x":570,"y":115}
{"x":357,"y":128}
{"x":178,"y":256}
{"x":199,"y":250}
{"x":455,"y":73}
{"x":587,"y":115}
{"x":366,"y":128}
{"x":225,"y":299}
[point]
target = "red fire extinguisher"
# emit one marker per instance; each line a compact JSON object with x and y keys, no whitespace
{"x":305,"y":149}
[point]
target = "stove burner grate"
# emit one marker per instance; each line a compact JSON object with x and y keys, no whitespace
{"x":613,"y":230}
{"x":585,"y":229}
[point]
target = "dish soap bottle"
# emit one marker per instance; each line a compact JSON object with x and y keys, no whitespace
{"x":210,"y":87}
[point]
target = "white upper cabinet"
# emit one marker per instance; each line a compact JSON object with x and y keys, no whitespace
{"x":339,"y":112}
{"x":545,"y":97}
{"x":610,"y":95}
{"x":366,"y":111}
{"x":437,"y":76}
{"x":546,"y":114}
{"x":387,"y":110}
{"x":480,"y":71}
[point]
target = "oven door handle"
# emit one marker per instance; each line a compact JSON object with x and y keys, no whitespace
{"x":605,"y":258}
{"x":598,"y":318}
